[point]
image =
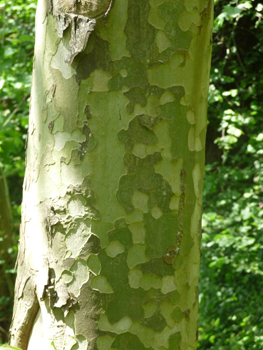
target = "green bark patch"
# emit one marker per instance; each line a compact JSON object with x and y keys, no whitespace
{"x":101,"y":284}
{"x":122,"y":235}
{"x":148,"y":281}
{"x":174,"y":341}
{"x":136,"y":255}
{"x":88,"y":144}
{"x":114,"y":248}
{"x":160,"y":234}
{"x":97,"y":58}
{"x":174,"y":297}
{"x":128,"y":342}
{"x":174,"y":114}
{"x":126,"y":302}
{"x":148,"y":182}
{"x":177,"y":91}
{"x":65,"y":99}
{"x":140,"y":41}
{"x":147,"y":121}
{"x":136,"y":74}
{"x":136,"y":95}
{"x":178,"y":314}
{"x":156,"y":267}
{"x":94,"y":264}
{"x":171,"y":12}
{"x":187,"y":244}
{"x":156,"y":322}
{"x":137,"y":133}
{"x":87,"y":112}
{"x":115,"y":269}
{"x":134,"y":163}
{"x":116,"y":82}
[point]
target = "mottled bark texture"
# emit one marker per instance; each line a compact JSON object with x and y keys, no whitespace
{"x":110,"y":240}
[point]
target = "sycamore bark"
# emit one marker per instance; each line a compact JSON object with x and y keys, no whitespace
{"x":110,"y":238}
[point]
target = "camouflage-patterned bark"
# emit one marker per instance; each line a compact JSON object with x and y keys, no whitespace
{"x":109,"y":251}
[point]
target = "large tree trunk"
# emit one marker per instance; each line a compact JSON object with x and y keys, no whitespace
{"x":110,"y":241}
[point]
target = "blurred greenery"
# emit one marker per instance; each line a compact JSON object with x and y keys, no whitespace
{"x":231,"y":276}
{"x":16,"y":51}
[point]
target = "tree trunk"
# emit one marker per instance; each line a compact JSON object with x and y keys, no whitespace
{"x":6,"y":261}
{"x":110,"y":239}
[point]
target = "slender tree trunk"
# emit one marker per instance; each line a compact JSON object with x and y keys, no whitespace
{"x":6,"y":243}
{"x":6,"y":237}
{"x":110,"y":241}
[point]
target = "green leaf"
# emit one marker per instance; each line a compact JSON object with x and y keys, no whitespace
{"x":5,"y":347}
{"x":259,"y":137}
{"x":9,"y":51}
{"x":234,"y":131}
{"x":232,"y":93}
{"x":245,"y":6}
{"x":231,"y":11}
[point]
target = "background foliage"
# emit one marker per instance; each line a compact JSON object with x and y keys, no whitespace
{"x":231,"y":279}
{"x":16,"y":52}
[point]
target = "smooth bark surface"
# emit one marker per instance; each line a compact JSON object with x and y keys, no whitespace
{"x":110,"y":241}
{"x":6,"y":259}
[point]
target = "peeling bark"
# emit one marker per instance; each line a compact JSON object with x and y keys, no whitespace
{"x":87,"y":8}
{"x":25,"y":309}
{"x":113,"y":186}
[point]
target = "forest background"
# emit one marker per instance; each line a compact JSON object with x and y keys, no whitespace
{"x":231,"y":276}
